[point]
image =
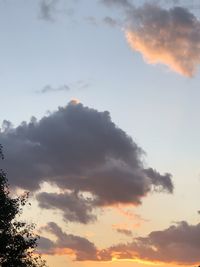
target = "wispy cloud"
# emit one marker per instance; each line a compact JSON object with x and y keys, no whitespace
{"x":120,"y":3}
{"x":48,"y":9}
{"x":49,"y":89}
{"x":110,"y":21}
{"x":122,"y":229}
{"x":79,"y":85}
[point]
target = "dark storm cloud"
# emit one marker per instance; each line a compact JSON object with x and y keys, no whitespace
{"x":179,"y":244}
{"x":83,"y":152}
{"x":166,"y":36}
{"x":65,"y":243}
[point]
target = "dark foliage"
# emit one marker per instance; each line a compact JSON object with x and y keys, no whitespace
{"x":17,"y":240}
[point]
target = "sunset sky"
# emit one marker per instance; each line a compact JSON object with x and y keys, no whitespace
{"x":99,"y":114}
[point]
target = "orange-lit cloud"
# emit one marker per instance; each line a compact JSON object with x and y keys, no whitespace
{"x":170,"y":37}
{"x":77,"y":247}
{"x":178,"y":244}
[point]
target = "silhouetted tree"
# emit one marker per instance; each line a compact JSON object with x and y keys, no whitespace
{"x":17,"y":240}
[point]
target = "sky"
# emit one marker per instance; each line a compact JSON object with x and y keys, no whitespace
{"x":99,"y":122}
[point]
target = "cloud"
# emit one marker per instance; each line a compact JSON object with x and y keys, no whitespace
{"x":124,"y":232}
{"x":120,"y":3}
{"x":81,"y":248}
{"x":49,"y":88}
{"x":110,"y":21}
{"x":79,"y":85}
{"x":170,"y":37}
{"x":83,"y":152}
{"x":48,"y":9}
{"x":92,"y":20}
{"x":75,"y":208}
{"x":178,"y":244}
{"x":122,"y":229}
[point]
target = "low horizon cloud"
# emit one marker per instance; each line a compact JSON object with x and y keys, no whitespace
{"x":177,"y":244}
{"x":93,"y":162}
{"x":66,"y":244}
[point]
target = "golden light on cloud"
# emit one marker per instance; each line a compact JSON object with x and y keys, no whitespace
{"x":75,"y":101}
{"x":136,"y":260}
{"x":65,"y":251}
{"x":166,"y":36}
{"x":156,"y":56}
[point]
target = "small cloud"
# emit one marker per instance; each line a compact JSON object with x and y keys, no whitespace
{"x":124,"y":232}
{"x":78,"y":85}
{"x":48,"y":9}
{"x":92,"y":20}
{"x":49,"y":89}
{"x":120,"y":3}
{"x":122,"y":229}
{"x":81,"y":84}
{"x":110,"y":21}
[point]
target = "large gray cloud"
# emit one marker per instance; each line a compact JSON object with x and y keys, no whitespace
{"x":178,"y":244}
{"x":81,"y":248}
{"x":83,"y":152}
{"x":166,"y":36}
